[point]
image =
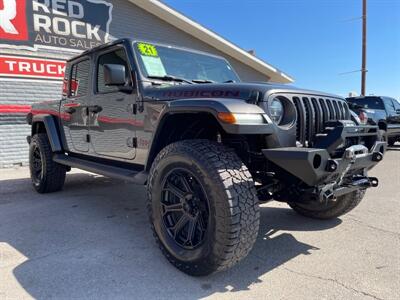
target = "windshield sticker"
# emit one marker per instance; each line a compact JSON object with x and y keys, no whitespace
{"x":147,"y":49}
{"x":154,"y":66}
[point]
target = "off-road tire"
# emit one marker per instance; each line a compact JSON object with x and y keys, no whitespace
{"x":391,"y":142}
{"x":52,"y":176}
{"x":234,"y":211}
{"x":331,"y":210}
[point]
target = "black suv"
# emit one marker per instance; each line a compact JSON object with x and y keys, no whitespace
{"x":208,"y":146}
{"x":381,"y":111}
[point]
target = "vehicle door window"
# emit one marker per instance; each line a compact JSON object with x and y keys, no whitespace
{"x":389,"y":106}
{"x":117,"y":57}
{"x":79,"y":83}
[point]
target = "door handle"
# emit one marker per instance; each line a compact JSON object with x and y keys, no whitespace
{"x":70,"y":110}
{"x":95,"y":109}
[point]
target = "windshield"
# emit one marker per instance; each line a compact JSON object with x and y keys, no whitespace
{"x":367,"y":102}
{"x":170,"y":63}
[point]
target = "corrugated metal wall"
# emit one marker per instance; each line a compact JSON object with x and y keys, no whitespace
{"x":128,"y":20}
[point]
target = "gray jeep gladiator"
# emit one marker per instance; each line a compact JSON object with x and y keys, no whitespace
{"x":208,"y":146}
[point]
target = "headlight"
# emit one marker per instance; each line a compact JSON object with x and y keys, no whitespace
{"x":249,"y":118}
{"x":237,"y":118}
{"x":276,"y":110}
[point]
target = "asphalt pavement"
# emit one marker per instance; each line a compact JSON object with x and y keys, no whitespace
{"x":92,"y":241}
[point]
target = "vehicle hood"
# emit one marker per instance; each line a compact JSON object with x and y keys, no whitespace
{"x":244,"y":91}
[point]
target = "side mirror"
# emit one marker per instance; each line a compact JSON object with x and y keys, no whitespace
{"x":114,"y":75}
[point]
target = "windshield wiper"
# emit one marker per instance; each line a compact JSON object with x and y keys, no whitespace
{"x":203,"y":81}
{"x":170,"y":78}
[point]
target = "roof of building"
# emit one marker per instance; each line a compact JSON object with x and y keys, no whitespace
{"x":198,"y":31}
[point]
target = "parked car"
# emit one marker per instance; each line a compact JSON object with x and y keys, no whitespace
{"x":381,"y":111}
{"x":208,"y":146}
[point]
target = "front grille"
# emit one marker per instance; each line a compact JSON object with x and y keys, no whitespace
{"x":313,"y":113}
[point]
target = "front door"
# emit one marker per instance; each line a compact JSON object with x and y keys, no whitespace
{"x":396,"y":117}
{"x":112,"y":119}
{"x":393,"y":116}
{"x":74,"y":108}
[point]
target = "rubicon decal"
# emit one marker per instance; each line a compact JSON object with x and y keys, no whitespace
{"x":77,"y":25}
{"x":28,"y":67}
{"x":202,"y":93}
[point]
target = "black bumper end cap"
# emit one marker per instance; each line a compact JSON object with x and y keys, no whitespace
{"x":373,"y":181}
{"x":331,"y":165}
{"x":377,"y":156}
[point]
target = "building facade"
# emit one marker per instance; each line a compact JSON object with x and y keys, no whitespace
{"x":37,"y":36}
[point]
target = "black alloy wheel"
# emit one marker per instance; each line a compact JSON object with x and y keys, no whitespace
{"x":184,"y":208}
{"x":47,"y":176}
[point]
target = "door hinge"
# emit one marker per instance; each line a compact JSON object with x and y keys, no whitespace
{"x":132,"y":142}
{"x":134,"y":108}
{"x":87,"y":138}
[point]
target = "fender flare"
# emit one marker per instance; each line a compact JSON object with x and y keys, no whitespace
{"x":215,"y":106}
{"x":51,"y":130}
{"x":212,"y":107}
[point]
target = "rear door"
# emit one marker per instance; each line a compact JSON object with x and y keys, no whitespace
{"x":113,"y":123}
{"x":74,"y":108}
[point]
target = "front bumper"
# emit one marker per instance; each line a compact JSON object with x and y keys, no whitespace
{"x":325,"y":163}
{"x":316,"y":167}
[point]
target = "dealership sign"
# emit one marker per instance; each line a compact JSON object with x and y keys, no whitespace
{"x":29,"y":67}
{"x":77,"y":25}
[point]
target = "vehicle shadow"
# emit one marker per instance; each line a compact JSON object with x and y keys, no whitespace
{"x":92,"y":240}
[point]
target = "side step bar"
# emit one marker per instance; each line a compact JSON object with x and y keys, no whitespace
{"x":102,"y":169}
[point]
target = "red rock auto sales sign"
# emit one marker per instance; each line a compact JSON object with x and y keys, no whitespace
{"x":77,"y":25}
{"x":30,"y":67}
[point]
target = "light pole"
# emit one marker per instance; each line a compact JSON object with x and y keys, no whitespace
{"x":364,"y":49}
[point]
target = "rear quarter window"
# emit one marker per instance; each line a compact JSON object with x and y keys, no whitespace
{"x":79,"y":80}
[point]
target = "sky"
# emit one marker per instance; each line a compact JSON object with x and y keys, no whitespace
{"x":313,"y":41}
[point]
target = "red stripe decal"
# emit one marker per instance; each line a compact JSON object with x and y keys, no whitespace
{"x":14,"y":109}
{"x":71,"y":105}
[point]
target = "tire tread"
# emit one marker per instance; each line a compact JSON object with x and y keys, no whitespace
{"x":240,"y":214}
{"x":55,"y":173}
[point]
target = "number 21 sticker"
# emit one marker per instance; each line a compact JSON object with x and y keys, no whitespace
{"x":147,"y":49}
